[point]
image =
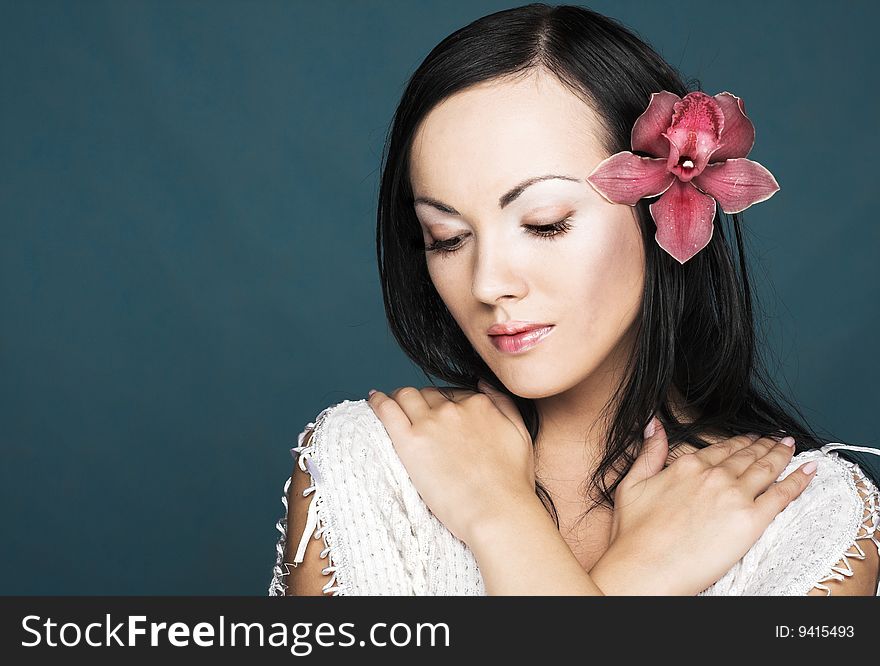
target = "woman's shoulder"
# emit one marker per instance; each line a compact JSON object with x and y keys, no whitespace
{"x":357,"y":505}
{"x":818,"y":538}
{"x":379,"y":535}
{"x":349,"y":439}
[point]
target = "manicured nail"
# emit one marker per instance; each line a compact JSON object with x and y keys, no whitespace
{"x":810,"y":467}
{"x":788,"y":440}
{"x":753,"y":436}
{"x":649,"y":429}
{"x":371,"y":392}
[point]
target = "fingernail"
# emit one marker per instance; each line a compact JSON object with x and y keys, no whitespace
{"x":753,"y":436}
{"x":370,"y":393}
{"x":788,"y":440}
{"x":649,"y":429}
{"x":810,"y":467}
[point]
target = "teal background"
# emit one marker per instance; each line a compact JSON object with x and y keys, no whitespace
{"x":187,"y":267}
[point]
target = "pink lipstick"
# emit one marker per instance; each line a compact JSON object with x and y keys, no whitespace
{"x":524,"y":339}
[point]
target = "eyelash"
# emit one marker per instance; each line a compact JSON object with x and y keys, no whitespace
{"x":547,"y":231}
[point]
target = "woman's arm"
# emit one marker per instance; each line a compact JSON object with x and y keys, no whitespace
{"x":522,"y":553}
{"x":305,"y":578}
{"x":863,"y":562}
{"x":471,"y":460}
{"x":862,"y":583}
{"x":664,"y":539}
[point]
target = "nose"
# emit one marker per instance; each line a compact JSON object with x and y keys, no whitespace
{"x":497,"y":274}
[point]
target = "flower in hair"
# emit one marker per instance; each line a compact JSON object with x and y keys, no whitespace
{"x":696,"y":147}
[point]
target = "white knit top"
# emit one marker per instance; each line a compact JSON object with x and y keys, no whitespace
{"x":380,"y":538}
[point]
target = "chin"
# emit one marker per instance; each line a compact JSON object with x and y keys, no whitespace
{"x":530,"y":390}
{"x":535,"y":395}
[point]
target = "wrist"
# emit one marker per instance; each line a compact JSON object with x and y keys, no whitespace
{"x":512,"y":516}
{"x":617,"y":574}
{"x":520,"y":551}
{"x":605,"y":575}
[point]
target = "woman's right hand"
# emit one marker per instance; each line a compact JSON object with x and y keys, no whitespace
{"x":677,"y":530}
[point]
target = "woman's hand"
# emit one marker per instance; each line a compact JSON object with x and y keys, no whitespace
{"x":678,"y":530}
{"x":469,"y":457}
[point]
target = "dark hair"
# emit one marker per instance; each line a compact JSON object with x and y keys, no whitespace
{"x":695,"y":333}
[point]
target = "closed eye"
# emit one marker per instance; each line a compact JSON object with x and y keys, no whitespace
{"x":549,"y":231}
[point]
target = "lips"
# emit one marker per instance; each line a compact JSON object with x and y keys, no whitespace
{"x":521,"y":342}
{"x":515,"y":326}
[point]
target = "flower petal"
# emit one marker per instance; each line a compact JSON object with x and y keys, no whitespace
{"x":684,"y":218}
{"x":738,"y":135}
{"x":695,"y":131}
{"x":626,"y":178}
{"x":647,"y":132}
{"x":737,"y":183}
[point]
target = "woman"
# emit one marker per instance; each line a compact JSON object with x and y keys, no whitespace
{"x":499,"y":204}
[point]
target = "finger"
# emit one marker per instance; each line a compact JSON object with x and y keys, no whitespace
{"x":396,"y":422}
{"x":740,"y":461}
{"x":652,"y":457}
{"x":436,"y":396}
{"x":783,"y":493}
{"x":455,"y":394}
{"x":764,"y":471}
{"x":411,"y":402}
{"x":714,"y":454}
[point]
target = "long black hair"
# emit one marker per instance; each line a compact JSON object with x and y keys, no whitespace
{"x":695,"y":331}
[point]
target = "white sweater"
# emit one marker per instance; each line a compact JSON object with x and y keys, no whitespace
{"x":380,"y":538}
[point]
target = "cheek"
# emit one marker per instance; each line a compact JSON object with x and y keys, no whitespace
{"x":605,"y":273}
{"x":451,"y":285}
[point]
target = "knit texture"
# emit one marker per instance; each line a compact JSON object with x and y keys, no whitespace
{"x":380,"y":538}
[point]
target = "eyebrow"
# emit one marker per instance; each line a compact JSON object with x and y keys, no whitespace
{"x":505,"y":199}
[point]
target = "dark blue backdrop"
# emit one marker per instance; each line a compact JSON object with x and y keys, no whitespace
{"x":187,"y":211}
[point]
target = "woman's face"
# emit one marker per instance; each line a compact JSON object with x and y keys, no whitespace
{"x":468,"y":156}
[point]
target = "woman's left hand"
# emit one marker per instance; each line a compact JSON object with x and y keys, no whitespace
{"x":470,"y":458}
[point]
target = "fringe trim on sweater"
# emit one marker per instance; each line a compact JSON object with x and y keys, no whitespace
{"x":869,"y":528}
{"x":316,"y":523}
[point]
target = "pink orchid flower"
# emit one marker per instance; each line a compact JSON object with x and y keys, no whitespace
{"x":698,"y":145}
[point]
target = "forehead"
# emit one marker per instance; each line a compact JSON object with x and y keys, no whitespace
{"x":482,"y":139}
